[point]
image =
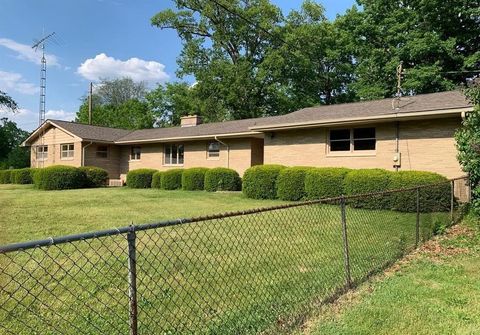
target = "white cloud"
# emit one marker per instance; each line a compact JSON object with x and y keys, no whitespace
{"x":12,"y":81}
{"x":103,"y":66}
{"x":28,"y":119}
{"x":60,"y":114}
{"x":26,"y":52}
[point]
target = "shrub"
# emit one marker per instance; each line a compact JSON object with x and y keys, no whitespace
{"x":193,"y":179}
{"x":5,"y":176}
{"x":222,"y":179}
{"x":432,"y":199}
{"x":172,"y":179}
{"x":291,"y":183}
{"x":22,"y":176}
{"x":325,"y":182}
{"x":157,"y":179}
{"x":140,"y":178}
{"x":95,"y":176}
{"x":58,"y":177}
{"x":368,"y":181}
{"x":260,"y":181}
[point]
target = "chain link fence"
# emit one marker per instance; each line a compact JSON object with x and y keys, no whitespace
{"x":256,"y":271}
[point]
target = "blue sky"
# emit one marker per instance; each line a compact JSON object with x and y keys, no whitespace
{"x":96,"y":38}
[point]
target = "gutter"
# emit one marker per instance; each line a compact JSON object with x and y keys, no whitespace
{"x":83,"y":152}
{"x":228,"y":150}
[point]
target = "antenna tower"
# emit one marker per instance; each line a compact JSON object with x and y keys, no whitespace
{"x":43,"y":76}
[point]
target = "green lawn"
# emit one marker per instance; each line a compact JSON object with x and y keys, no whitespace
{"x":243,"y":274}
{"x":438,"y":292}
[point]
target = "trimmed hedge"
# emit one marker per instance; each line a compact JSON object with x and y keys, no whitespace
{"x":260,"y":181}
{"x":95,"y":176}
{"x":368,"y":181}
{"x":140,"y":178}
{"x":22,"y":176}
{"x":325,"y":182}
{"x":157,"y":179}
{"x":5,"y":176}
{"x":193,"y":179}
{"x":59,"y":177}
{"x":291,"y":183}
{"x":222,"y":179}
{"x":432,"y":199}
{"x":172,"y":179}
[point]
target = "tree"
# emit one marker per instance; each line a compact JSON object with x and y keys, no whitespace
{"x":11,"y":155}
{"x":118,"y":103}
{"x":224,"y":52}
{"x":7,"y":102}
{"x":432,"y":38}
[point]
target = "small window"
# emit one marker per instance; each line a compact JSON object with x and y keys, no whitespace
{"x":102,"y":151}
{"x":351,"y":140}
{"x":173,"y":154}
{"x":67,"y":151}
{"x":42,"y":152}
{"x":135,"y":153}
{"x":213,"y":150}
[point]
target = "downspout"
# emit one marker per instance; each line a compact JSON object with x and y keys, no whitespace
{"x":228,"y":150}
{"x":83,"y":152}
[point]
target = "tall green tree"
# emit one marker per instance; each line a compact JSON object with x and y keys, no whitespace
{"x":118,"y":103}
{"x":11,"y":136}
{"x":431,"y":37}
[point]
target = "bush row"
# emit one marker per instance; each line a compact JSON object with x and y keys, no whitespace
{"x":211,"y":180}
{"x":57,"y":177}
{"x":308,"y":183}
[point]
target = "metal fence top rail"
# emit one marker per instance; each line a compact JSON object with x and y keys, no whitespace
{"x":168,"y":223}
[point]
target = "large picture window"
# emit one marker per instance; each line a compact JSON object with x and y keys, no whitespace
{"x":135,"y":153}
{"x":213,"y":150}
{"x":67,"y":151}
{"x":42,"y":152}
{"x":352,"y":140}
{"x":173,"y":154}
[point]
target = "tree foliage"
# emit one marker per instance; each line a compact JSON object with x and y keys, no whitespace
{"x":11,"y":154}
{"x":7,"y":102}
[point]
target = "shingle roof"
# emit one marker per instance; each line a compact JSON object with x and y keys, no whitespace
{"x":433,"y":102}
{"x":88,"y":132}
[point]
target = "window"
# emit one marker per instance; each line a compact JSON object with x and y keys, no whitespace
{"x":213,"y":150}
{"x":135,"y":153}
{"x":67,"y":151}
{"x":102,"y":151}
{"x":173,"y":154}
{"x":42,"y":152}
{"x":352,"y":140}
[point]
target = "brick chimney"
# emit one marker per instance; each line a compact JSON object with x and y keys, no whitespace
{"x":190,"y":121}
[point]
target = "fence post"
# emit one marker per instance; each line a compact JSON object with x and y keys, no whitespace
{"x":346,"y":253}
{"x":417,"y":225}
{"x":132,"y":282}
{"x":452,"y":199}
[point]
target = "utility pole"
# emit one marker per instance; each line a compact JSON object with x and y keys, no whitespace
{"x":398,"y":95}
{"x":90,"y":102}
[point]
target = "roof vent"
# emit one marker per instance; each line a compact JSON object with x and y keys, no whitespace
{"x":190,"y":121}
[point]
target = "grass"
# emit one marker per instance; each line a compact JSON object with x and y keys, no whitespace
{"x":244,"y":274}
{"x":436,"y":292}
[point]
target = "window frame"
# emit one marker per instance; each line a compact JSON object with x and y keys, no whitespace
{"x":70,"y":151}
{"x":137,"y":155}
{"x":352,"y":139}
{"x":97,"y":152}
{"x":169,"y":161}
{"x":44,"y":153}
{"x":209,"y":153}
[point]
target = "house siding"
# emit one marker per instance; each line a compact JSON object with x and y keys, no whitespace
{"x":427,"y":145}
{"x":54,"y":138}
{"x":111,"y":164}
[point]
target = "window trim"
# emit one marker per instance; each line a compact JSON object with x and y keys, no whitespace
{"x":139,"y":154}
{"x":165,"y":151}
{"x":351,"y":152}
{"x":102,"y":151}
{"x":43,"y":158}
{"x":70,"y":152}
{"x":213,"y":158}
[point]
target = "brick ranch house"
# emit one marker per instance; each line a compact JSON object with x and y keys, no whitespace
{"x":415,"y":133}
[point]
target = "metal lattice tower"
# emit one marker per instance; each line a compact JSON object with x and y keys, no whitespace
{"x":43,"y":77}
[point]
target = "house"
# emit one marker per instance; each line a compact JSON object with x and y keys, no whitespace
{"x":411,"y":133}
